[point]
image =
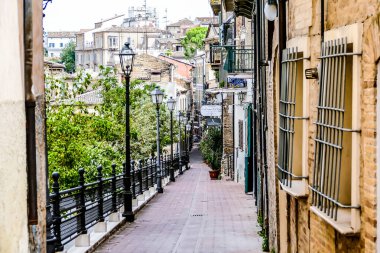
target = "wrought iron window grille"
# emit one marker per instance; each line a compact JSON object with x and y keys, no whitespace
{"x":287,"y":116}
{"x":330,"y":129}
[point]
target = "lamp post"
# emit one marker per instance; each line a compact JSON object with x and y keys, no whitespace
{"x":188,"y":128}
{"x":171,"y":106}
{"x":179,"y":144}
{"x":126,"y":62}
{"x":157,"y":97}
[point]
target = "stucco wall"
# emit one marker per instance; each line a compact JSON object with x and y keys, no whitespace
{"x":239,"y":153}
{"x":13,"y":218}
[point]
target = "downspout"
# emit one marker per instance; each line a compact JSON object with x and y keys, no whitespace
{"x":30,"y":109}
{"x":233,"y":133}
{"x":282,"y":37}
{"x":322,"y":22}
{"x":254,"y":90}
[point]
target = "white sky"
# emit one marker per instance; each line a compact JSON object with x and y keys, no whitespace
{"x":72,"y":15}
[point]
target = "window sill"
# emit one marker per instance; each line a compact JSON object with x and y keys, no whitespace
{"x":297,"y":190}
{"x":342,"y":224}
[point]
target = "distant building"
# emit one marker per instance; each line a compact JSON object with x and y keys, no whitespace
{"x":206,"y":21}
{"x":179,"y":29}
{"x":101,"y":46}
{"x":55,"y":42}
{"x":169,"y":44}
{"x":141,"y":17}
{"x":54,"y":68}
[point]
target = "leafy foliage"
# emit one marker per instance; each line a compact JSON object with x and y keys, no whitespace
{"x":193,"y":40}
{"x":211,"y":148}
{"x":68,"y":57}
{"x":83,"y":136}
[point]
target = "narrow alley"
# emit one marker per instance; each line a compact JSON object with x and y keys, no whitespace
{"x":194,"y":214}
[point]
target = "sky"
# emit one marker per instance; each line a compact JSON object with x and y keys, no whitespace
{"x":73,"y":15}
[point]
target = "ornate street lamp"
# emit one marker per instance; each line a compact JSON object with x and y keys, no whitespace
{"x":157,"y":97}
{"x":171,"y":106}
{"x":126,"y":62}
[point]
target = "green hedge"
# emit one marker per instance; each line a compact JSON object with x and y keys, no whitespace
{"x":211,"y":147}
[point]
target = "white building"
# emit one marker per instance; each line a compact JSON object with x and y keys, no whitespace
{"x":55,"y":42}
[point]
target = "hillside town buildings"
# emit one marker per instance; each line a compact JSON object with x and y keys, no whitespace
{"x":55,"y":42}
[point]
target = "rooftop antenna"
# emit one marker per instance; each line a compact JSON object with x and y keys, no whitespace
{"x":166,"y":18}
{"x":146,"y":35}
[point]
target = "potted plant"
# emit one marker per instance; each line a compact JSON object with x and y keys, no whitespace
{"x":211,"y":148}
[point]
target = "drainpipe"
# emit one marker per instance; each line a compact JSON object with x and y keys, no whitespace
{"x":30,"y":109}
{"x":322,"y":21}
{"x":254,"y":104}
{"x":233,"y":132}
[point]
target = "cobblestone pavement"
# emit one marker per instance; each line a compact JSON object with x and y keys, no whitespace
{"x":194,"y":214}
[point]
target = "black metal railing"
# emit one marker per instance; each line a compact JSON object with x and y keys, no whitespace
{"x":77,"y":209}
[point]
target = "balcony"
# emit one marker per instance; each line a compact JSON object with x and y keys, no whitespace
{"x":216,"y":57}
{"x":215,"y":6}
{"x":239,"y":60}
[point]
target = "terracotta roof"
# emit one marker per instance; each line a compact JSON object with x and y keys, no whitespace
{"x":183,"y":22}
{"x":54,"y":64}
{"x":61,"y":34}
{"x":108,"y":19}
{"x":90,"y":98}
{"x":167,"y":40}
{"x":207,"y":20}
{"x":131,"y":29}
{"x":177,"y":60}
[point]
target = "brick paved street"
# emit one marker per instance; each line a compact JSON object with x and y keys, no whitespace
{"x":194,"y":214}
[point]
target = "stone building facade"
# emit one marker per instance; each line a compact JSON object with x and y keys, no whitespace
{"x":301,"y":225}
{"x":314,"y":102}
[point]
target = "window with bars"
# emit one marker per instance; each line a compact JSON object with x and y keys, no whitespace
{"x":291,"y":119}
{"x":241,"y":135}
{"x":331,"y":186}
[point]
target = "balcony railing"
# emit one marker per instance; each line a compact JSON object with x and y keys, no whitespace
{"x":216,"y":56}
{"x":239,"y":60}
{"x":76,"y":210}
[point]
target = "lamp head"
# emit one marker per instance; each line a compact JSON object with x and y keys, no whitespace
{"x":270,"y":10}
{"x":126,"y":59}
{"x":171,"y":104}
{"x":157,"y":96}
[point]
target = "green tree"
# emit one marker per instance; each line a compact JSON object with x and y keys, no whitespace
{"x":68,"y":57}
{"x":83,"y":137}
{"x":193,"y":40}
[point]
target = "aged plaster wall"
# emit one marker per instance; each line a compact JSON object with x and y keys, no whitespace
{"x":239,"y":154}
{"x":13,"y":218}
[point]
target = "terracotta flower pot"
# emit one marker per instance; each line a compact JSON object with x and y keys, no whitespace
{"x":214,"y":174}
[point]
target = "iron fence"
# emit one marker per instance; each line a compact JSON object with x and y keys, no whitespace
{"x":76,"y":210}
{"x":289,"y":107}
